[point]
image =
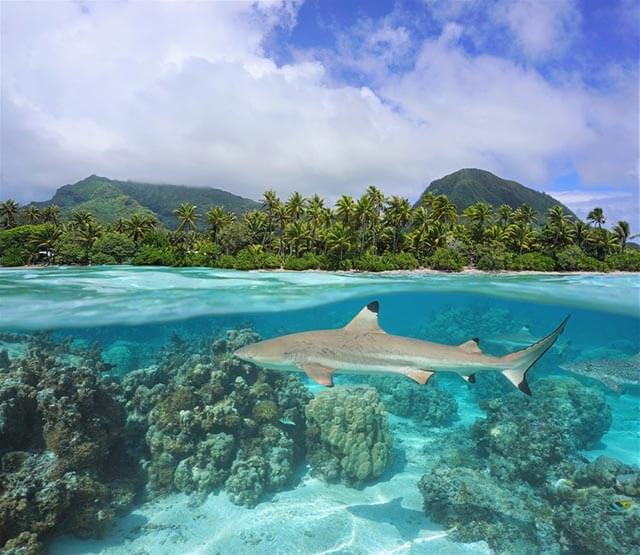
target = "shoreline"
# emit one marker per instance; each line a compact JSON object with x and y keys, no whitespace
{"x":418,"y":271}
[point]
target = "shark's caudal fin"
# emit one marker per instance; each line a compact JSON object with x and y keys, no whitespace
{"x":519,"y":362}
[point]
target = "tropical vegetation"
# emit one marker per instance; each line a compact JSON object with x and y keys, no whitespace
{"x":372,"y":233}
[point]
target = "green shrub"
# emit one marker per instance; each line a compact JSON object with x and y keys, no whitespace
{"x":16,"y":247}
{"x":400,"y":261}
{"x":67,"y":250}
{"x":369,"y":263}
{"x":306,"y":262}
{"x":573,"y":259}
{"x":447,"y":260}
{"x":149,"y":255}
{"x":493,"y":259}
{"x":14,"y":257}
{"x":226,"y":261}
{"x":533,"y":261}
{"x":112,"y":245}
{"x":156,"y":238}
{"x":627,"y":261}
{"x":101,"y":258}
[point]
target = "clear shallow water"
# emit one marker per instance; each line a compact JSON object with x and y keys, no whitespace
{"x":133,"y":313}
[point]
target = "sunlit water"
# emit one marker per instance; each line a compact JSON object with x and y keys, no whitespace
{"x":141,"y":309}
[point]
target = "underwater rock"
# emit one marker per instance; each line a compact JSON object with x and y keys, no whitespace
{"x":122,"y":355}
{"x":430,"y":404}
{"x":210,"y":420}
{"x":509,"y":517}
{"x":63,"y":463}
{"x":348,"y":435}
{"x":526,"y":437}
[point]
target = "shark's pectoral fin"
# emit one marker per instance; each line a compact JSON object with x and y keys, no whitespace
{"x":471,"y":346}
{"x":420,"y":376}
{"x":471,"y":378}
{"x":319,"y":373}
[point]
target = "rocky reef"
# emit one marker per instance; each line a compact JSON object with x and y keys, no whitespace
{"x":430,"y":405}
{"x":348,"y":436}
{"x":63,"y":464}
{"x":212,"y":421}
{"x":519,"y":482}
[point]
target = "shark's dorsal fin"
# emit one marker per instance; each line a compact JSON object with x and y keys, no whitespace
{"x":470,"y":346}
{"x":366,"y":320}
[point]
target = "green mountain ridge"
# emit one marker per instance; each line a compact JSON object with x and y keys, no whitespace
{"x":468,"y":186}
{"x":110,"y":199}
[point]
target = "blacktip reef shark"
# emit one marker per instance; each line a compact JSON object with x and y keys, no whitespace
{"x":363,"y":347}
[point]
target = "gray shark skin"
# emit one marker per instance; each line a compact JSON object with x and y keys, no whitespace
{"x":363,"y":347}
{"x":615,"y":374}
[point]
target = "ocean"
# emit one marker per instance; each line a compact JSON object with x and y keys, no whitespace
{"x":127,"y":426}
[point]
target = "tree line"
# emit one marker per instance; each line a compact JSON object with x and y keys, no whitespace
{"x":372,"y":233}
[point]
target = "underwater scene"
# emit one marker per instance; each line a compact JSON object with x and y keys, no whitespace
{"x":129,"y":426}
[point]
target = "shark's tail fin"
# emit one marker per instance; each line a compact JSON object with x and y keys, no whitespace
{"x":518,"y":363}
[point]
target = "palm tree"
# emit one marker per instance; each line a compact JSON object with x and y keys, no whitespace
{"x":256,"y":223}
{"x":376,"y":198}
{"x":339,"y":239}
{"x":603,"y":242}
{"x":596,"y":216}
{"x":296,"y":234}
{"x":51,"y":214}
{"x":44,"y":239}
{"x":522,"y":236}
{"x":9,"y":211}
{"x":397,"y":215}
{"x":525,"y":215}
{"x":271,"y":204}
{"x":505,"y":214}
{"x":80,"y":219}
{"x":138,"y":226}
{"x":444,"y":211}
{"x":426,"y":201}
{"x":480,"y":214}
{"x":622,"y":231}
{"x":187,"y":216}
{"x":559,"y":230}
{"x":582,"y":232}
{"x":87,"y":236}
{"x":316,"y":215}
{"x":346,"y":210}
{"x":33,"y":214}
{"x":120,"y":225}
{"x":497,"y":233}
{"x":218,"y":219}
{"x":295,"y":206}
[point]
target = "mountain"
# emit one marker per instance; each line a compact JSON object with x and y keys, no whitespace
{"x":109,"y":199}
{"x":468,"y":186}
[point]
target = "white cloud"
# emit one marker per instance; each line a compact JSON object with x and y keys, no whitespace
{"x":541,"y":28}
{"x":615,"y":204}
{"x":185,"y":93}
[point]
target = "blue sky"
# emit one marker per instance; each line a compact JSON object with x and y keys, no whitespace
{"x":323,"y":96}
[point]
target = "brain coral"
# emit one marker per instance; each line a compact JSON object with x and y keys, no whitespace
{"x":348,"y":435}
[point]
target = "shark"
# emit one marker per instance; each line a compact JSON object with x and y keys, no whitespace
{"x":523,"y":338}
{"x":363,"y":347}
{"x":615,"y":374}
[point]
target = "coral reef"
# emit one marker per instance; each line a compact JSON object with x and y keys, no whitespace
{"x":63,"y":464}
{"x":519,"y":482}
{"x":544,"y":431}
{"x":430,"y":404}
{"x":210,"y":420}
{"x":348,"y":435}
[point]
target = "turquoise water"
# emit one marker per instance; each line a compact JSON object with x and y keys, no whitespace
{"x":153,"y":326}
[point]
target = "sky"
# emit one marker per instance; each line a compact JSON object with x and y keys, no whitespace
{"x":323,"y":96}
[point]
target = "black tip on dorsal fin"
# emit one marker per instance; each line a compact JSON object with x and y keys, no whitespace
{"x":476,"y":340}
{"x":374,"y":307}
{"x":524,"y":387}
{"x":472,"y":378}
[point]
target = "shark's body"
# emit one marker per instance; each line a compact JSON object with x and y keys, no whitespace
{"x":522,"y":338}
{"x":362,"y":347}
